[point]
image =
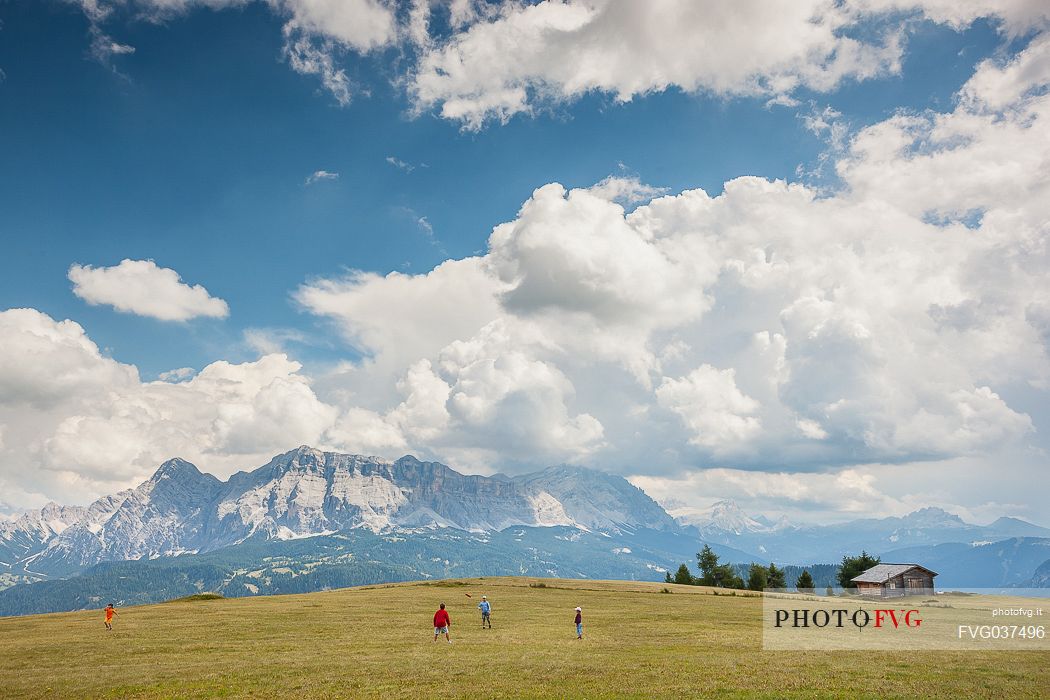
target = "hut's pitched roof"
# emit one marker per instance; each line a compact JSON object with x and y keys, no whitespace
{"x":880,"y":573}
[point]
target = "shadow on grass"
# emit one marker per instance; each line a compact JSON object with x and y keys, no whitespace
{"x":197,"y":596}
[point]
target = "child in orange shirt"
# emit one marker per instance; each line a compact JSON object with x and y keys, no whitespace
{"x":110,"y":612}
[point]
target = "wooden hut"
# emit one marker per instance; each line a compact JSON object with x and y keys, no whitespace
{"x":889,"y":580}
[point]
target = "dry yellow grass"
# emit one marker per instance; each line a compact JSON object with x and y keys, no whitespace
{"x":376,"y":642}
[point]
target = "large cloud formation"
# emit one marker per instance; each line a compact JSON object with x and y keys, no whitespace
{"x":517,"y":57}
{"x":765,"y":325}
{"x":769,"y":327}
{"x":525,"y":54}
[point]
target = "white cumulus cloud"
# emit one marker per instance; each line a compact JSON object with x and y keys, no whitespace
{"x":78,"y":424}
{"x":495,"y":68}
{"x":143,"y":288}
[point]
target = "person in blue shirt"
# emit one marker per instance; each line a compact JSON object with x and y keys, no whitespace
{"x":486,"y":610}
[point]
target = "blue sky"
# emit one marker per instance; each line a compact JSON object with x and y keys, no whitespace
{"x":194,"y":151}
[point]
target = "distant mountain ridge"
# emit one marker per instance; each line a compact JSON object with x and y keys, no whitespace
{"x":726,"y":516}
{"x":726,"y":523}
{"x":307,"y":492}
{"x":1013,"y":562}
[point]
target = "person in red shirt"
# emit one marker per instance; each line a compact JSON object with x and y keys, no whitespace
{"x":441,"y":623}
{"x":110,"y":612}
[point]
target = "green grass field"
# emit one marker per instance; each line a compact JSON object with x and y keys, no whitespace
{"x":376,"y":642}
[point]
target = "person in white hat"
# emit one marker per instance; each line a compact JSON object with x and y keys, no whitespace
{"x":486,"y":611}
{"x":579,"y":622}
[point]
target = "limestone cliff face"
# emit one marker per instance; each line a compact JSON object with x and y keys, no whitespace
{"x":308,"y":492}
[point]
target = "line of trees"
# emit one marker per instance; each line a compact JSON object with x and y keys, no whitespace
{"x":719,"y":575}
{"x":759,"y":577}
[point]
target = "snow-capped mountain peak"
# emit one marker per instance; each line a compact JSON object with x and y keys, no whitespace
{"x":307,"y":492}
{"x":176,"y":468}
{"x":729,"y":516}
{"x":933,"y":517}
{"x":42,"y":524}
{"x":725,"y":517}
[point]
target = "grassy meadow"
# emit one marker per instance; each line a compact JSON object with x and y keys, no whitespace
{"x":376,"y":642}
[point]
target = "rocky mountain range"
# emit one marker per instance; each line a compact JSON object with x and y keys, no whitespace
{"x":310,"y":519}
{"x":306,"y":493}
